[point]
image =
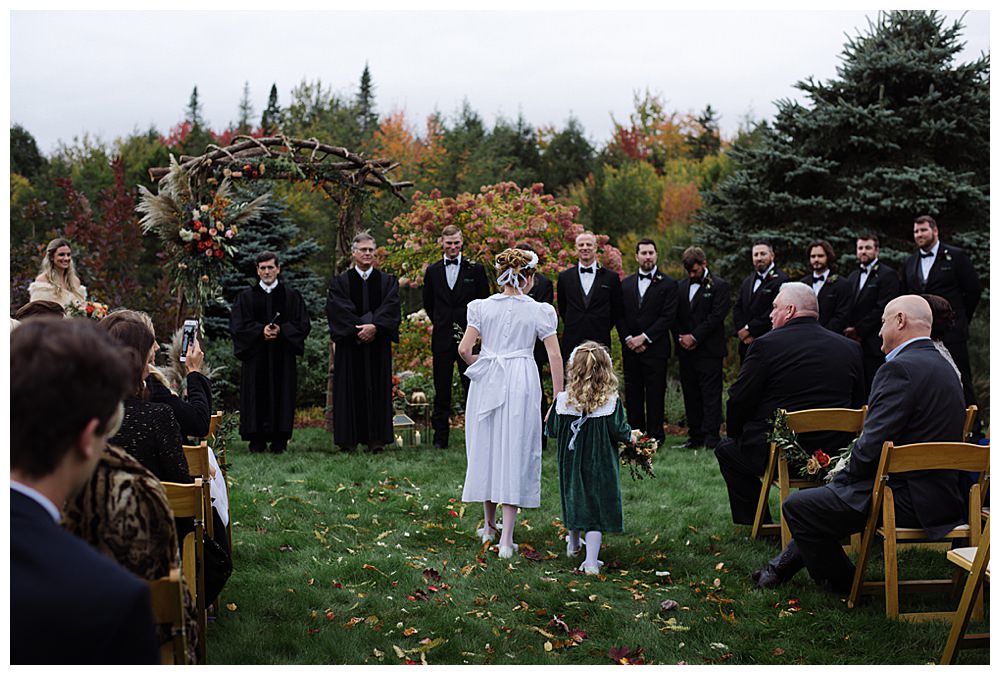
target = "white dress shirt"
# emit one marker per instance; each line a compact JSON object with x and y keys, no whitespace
{"x":863,"y":277}
{"x":364,"y":274}
{"x":268,"y":289}
{"x":694,"y":287}
{"x":451,"y":271}
{"x":757,"y":281}
{"x":587,"y":280}
{"x":644,"y":283}
{"x":817,"y":286}
{"x":928,"y":262}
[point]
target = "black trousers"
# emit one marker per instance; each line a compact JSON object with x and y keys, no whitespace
{"x":741,"y":467}
{"x":258,"y":440}
{"x":871,"y":364}
{"x":443,"y":365}
{"x":819,"y":520}
{"x":701,"y":383}
{"x":645,"y":391}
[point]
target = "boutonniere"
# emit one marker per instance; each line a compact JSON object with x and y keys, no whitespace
{"x":832,"y":278}
{"x":875,"y":267}
{"x":772,"y":274}
{"x":947,"y":256}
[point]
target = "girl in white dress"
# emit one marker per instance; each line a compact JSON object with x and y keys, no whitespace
{"x":57,"y":279}
{"x":503,"y":441}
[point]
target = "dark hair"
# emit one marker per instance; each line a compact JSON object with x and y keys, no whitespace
{"x":762,"y":242}
{"x":137,"y":340}
{"x":63,"y":373}
{"x":37,"y":308}
{"x":693,"y":255}
{"x":944,"y":316}
{"x":645,"y":242}
{"x":869,"y":236}
{"x":926,"y":219}
{"x":831,"y":257}
{"x":264,"y":256}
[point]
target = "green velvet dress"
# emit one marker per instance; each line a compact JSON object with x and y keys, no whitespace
{"x":590,"y":487}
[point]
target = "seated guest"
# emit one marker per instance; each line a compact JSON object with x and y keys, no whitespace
{"x":944,"y":320}
{"x":915,"y":398}
{"x":149,"y":432}
{"x":797,"y":365}
{"x":69,"y":603}
{"x":40,"y":308}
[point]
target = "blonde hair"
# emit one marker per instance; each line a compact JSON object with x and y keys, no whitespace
{"x":516,"y":260}
{"x":49,"y":271}
{"x":591,"y":377}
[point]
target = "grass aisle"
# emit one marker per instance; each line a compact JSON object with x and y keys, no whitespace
{"x":350,"y":558}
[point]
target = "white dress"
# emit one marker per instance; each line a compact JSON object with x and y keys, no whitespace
{"x":503,"y":427}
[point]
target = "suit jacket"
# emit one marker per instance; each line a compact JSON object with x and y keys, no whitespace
{"x":754,"y":309}
{"x":588,"y":317}
{"x":954,"y":279}
{"x":654,"y":314}
{"x":796,"y":367}
{"x":915,"y":398}
{"x":881,"y":286}
{"x":446,"y":306}
{"x":541,"y":291}
{"x":703,"y":317}
{"x":834,"y":301}
{"x":69,"y":603}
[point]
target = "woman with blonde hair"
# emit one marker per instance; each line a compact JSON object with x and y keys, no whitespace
{"x":589,"y":422}
{"x":502,"y":426}
{"x":57,"y":280}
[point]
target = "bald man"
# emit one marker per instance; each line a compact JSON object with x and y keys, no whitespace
{"x":798,"y":365}
{"x":915,"y":398}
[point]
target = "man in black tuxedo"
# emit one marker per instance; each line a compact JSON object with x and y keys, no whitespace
{"x":702,"y":305}
{"x":941,"y":269}
{"x":69,"y":603}
{"x":752,"y":311}
{"x":873,"y":284}
{"x":649,"y":298}
{"x":450,"y":285}
{"x":541,"y":291}
{"x":797,"y":366}
{"x":915,"y":398}
{"x":589,"y":299}
{"x":832,"y":290}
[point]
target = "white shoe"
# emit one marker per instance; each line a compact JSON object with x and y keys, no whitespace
{"x":591,"y":569}
{"x":570,"y":551}
{"x":506,"y":551}
{"x":486,"y":533}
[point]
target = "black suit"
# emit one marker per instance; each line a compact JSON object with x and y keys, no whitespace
{"x":954,"y":279}
{"x":701,"y":368}
{"x":753,"y":309}
{"x":881,"y":286}
{"x":446,"y":308}
{"x":592,"y":316}
{"x":834,"y":301}
{"x":69,"y":603}
{"x":796,"y":367}
{"x":915,"y":398}
{"x":654,"y":315}
{"x":541,"y":291}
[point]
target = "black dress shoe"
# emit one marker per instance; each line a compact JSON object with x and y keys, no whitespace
{"x":278,"y":449}
{"x":258,"y":447}
{"x":779,"y":569}
{"x":440,"y":446}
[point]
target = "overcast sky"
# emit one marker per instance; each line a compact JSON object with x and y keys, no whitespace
{"x":109,"y":73}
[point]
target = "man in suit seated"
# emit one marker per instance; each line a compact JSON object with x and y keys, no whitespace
{"x":798,"y":365}
{"x":69,"y":603}
{"x":915,"y":398}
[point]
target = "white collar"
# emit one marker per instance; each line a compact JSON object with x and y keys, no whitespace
{"x":364,"y":275}
{"x":563,"y":407}
{"x":268,"y":289}
{"x":934,"y":248}
{"x":869,"y":266}
{"x":33,"y":494}
{"x":765,"y":272}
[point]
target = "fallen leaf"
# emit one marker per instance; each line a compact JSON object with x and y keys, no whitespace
{"x":353,"y":516}
{"x":231,"y":606}
{"x":410,"y":631}
{"x":399,"y":652}
{"x":668,"y":605}
{"x":558,"y":622}
{"x":778,"y":651}
{"x":718,"y":645}
{"x":544,"y":632}
{"x":548,"y":646}
{"x":719,"y":566}
{"x":377,"y":654}
{"x":577,"y":635}
{"x":432,"y":574}
{"x":330,"y":616}
{"x":285,"y":548}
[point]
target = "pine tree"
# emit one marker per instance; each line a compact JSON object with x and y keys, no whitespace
{"x":901,"y":131}
{"x":367,"y":115}
{"x":245,"y":111}
{"x":25,"y":159}
{"x":568,"y":157}
{"x":707,"y":143}
{"x":270,"y":120}
{"x":198,"y":137}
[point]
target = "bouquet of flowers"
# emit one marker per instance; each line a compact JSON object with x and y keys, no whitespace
{"x":88,"y":310}
{"x":637,"y":455}
{"x":817,"y":464}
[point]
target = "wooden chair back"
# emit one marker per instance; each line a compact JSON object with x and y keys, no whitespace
{"x":167,"y":597}
{"x":198,"y":465}
{"x":970,"y":418}
{"x":828,"y":419}
{"x":213,"y":425}
{"x":979,"y":572}
{"x":187,"y":500}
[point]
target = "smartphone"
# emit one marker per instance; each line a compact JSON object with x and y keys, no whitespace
{"x":188,"y":336}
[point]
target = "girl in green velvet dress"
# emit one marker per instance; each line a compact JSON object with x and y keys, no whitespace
{"x":589,"y":422}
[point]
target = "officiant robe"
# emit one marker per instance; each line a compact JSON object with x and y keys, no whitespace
{"x":362,"y":376}
{"x":268,"y":377}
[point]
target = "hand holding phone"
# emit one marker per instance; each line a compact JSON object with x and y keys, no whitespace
{"x":188,"y":337}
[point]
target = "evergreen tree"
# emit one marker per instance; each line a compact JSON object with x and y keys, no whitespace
{"x":902,"y":131}
{"x":365,"y":103}
{"x":708,"y":142}
{"x":568,"y":158}
{"x":198,"y":137}
{"x":245,"y":111}
{"x":25,"y":159}
{"x":270,"y":120}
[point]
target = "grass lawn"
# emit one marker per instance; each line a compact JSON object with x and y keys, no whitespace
{"x":360,"y":559}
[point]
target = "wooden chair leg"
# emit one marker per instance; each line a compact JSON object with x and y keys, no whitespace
{"x":862,"y":560}
{"x":765,"y":493}
{"x":783,"y":492}
{"x":972,"y":591}
{"x":889,"y":555}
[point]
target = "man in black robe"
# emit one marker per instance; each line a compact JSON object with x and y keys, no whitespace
{"x":269,"y":324}
{"x":363,"y":311}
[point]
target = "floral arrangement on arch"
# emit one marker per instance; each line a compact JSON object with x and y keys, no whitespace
{"x":198,"y":232}
{"x":819,"y":464}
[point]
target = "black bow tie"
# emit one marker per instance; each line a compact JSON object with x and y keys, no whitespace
{"x":451,"y":261}
{"x":696,"y":282}
{"x":927,"y":255}
{"x":816,"y":279}
{"x":760,"y":277}
{"x":863,"y":267}
{"x":646,"y":276}
{"x":586,"y":270}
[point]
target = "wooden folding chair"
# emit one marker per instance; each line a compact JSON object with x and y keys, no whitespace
{"x":970,"y":418}
{"x":213,"y":425}
{"x":801,"y":422}
{"x":187,"y":501}
{"x":901,"y":459}
{"x":976,"y":561}
{"x":198,"y":465}
{"x":167,"y":597}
